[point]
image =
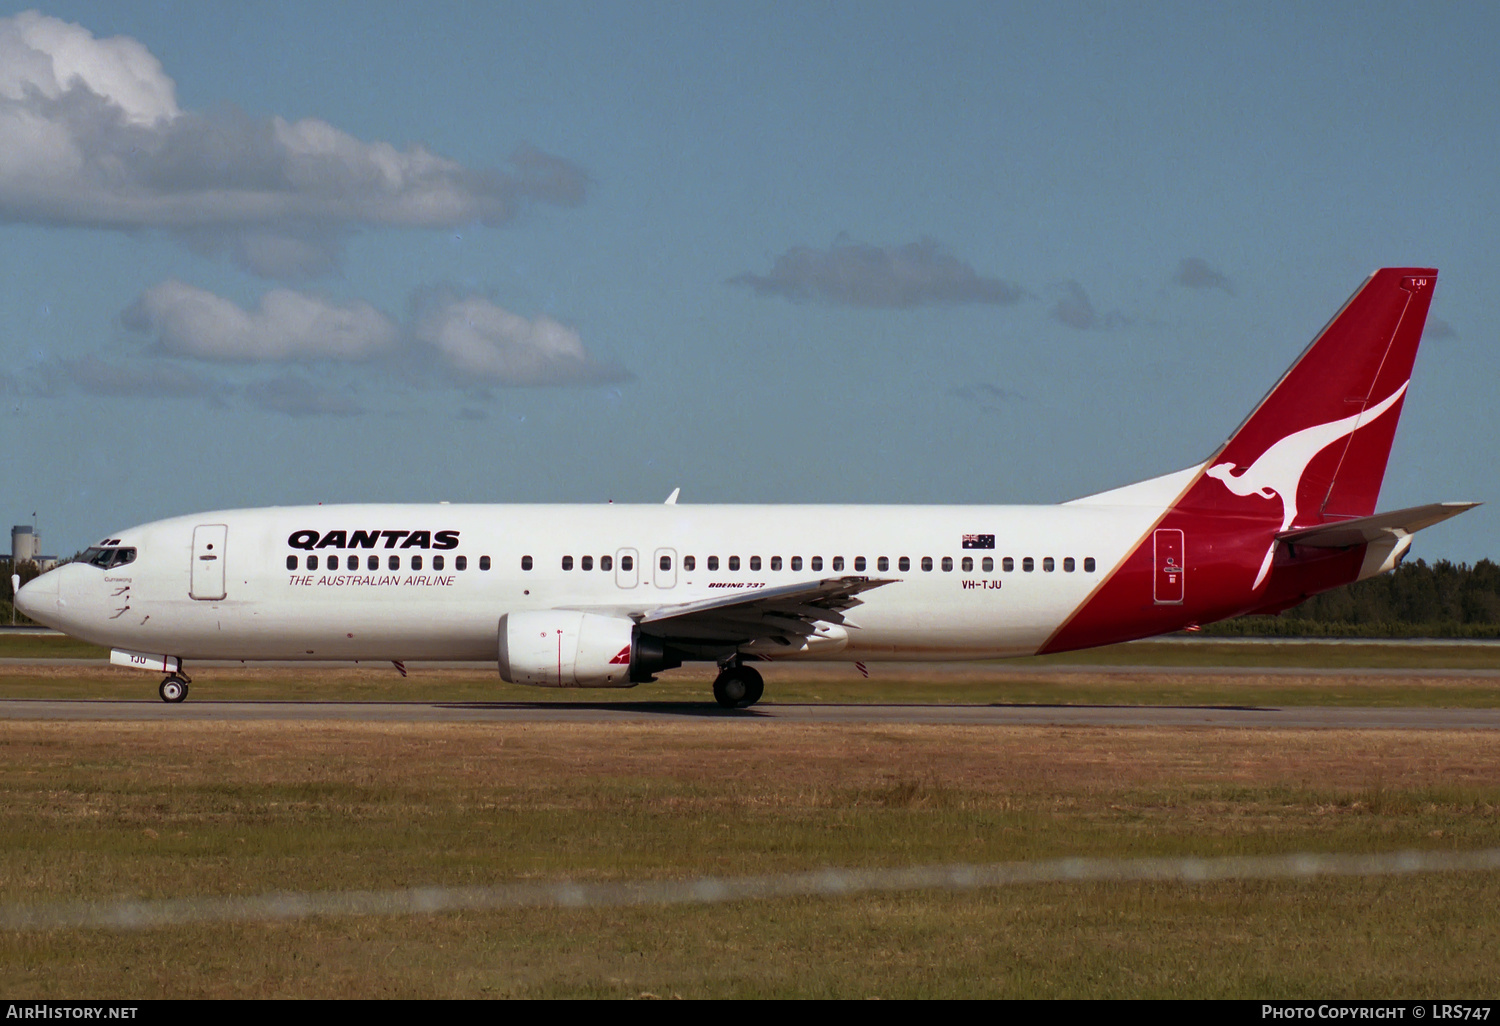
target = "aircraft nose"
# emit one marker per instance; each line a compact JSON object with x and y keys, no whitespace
{"x":38,"y":598}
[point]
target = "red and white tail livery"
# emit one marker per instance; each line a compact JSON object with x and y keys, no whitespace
{"x":608,"y":595}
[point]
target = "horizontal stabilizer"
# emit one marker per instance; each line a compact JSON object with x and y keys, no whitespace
{"x":1381,"y":526}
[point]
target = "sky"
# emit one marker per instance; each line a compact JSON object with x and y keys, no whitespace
{"x":266,"y":254}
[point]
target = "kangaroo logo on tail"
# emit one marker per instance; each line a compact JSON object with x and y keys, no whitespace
{"x":1278,"y":472}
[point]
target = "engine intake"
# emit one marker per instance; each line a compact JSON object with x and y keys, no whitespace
{"x":565,"y":648}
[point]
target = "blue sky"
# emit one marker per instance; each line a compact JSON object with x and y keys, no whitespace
{"x":259,"y":254}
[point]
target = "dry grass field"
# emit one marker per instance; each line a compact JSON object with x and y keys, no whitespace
{"x":186,"y":809}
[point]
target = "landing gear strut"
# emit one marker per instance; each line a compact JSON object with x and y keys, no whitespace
{"x":174,"y":689}
{"x":738,"y":686}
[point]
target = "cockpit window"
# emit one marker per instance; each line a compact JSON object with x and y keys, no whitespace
{"x":108,"y":559}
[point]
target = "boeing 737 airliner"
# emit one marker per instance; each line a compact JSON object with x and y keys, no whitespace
{"x":608,"y":595}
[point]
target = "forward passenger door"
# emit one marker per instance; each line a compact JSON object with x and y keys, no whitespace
{"x":207,"y":582}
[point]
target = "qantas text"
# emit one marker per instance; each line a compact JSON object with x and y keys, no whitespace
{"x":368,"y":539}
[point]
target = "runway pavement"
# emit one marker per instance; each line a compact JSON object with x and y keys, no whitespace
{"x":1324,"y":717}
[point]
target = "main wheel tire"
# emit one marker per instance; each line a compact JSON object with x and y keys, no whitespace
{"x":173,"y":689}
{"x":738,"y":687}
{"x":755,"y":687}
{"x":730,"y":688}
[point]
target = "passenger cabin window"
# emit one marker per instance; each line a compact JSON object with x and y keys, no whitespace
{"x":987,"y":564}
{"x":859,"y":564}
{"x":1007,"y":564}
{"x":967,"y":565}
{"x":627,"y":563}
{"x":1068,"y":564}
{"x":796,"y":562}
{"x":1047,"y":564}
{"x":754,"y":562}
{"x":665,"y":562}
{"x":606,"y":562}
{"x":586,"y":562}
{"x":352,"y":563}
{"x":817,"y":563}
{"x":838,"y":562}
{"x":437,"y":562}
{"x":904,"y":563}
{"x":734,"y":562}
{"x":291,"y":562}
{"x":688,"y":563}
{"x":373,"y":563}
{"x":926,"y":562}
{"x":526,"y":563}
{"x":484,"y":562}
{"x":394,"y":562}
{"x":883,"y":563}
{"x":1088,"y":564}
{"x":416,"y":562}
{"x":775,"y":562}
{"x":1028,"y":565}
{"x":947,"y":564}
{"x":567,"y":563}
{"x":713,"y":562}
{"x":312,"y":562}
{"x":459,"y":562}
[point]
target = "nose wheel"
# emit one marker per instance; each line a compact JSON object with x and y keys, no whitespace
{"x":173,"y":689}
{"x":738,"y":687}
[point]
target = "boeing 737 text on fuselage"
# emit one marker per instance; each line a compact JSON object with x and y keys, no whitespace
{"x":609,"y":595}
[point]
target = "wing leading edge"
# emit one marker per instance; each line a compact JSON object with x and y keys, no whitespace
{"x":792,"y":617}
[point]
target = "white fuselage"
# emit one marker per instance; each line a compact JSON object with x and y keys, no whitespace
{"x":262,"y":609}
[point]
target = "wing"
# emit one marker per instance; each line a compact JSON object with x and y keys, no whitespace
{"x":789,"y":618}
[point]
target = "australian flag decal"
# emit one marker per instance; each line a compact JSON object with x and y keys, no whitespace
{"x":979,"y":541}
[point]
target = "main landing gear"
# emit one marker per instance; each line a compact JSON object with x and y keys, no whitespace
{"x":174,"y":689}
{"x":738,"y":686}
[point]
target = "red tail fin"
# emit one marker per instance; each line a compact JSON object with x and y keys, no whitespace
{"x":1320,"y":439}
{"x":1313,"y":453}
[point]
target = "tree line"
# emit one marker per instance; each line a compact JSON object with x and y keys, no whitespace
{"x":1416,"y":600}
{"x":28,"y":570}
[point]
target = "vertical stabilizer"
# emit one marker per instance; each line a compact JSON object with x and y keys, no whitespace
{"x":1317,"y":444}
{"x":1312,"y":453}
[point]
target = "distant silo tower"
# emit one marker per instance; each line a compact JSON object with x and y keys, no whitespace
{"x":23,"y":544}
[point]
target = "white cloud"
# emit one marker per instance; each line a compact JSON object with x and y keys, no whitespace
{"x":49,"y":56}
{"x":479,"y":342}
{"x":286,"y":325}
{"x":91,"y":135}
{"x":859,"y":274}
{"x":485,"y":343}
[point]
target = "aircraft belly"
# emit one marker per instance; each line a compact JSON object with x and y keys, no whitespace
{"x":373,"y":630}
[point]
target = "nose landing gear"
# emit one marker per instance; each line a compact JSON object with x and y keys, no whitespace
{"x":174,"y":689}
{"x":738,"y":686}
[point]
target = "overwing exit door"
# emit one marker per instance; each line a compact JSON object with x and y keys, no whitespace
{"x":1171,"y":566}
{"x":666,"y":568}
{"x":208,"y":562}
{"x":627,"y":574}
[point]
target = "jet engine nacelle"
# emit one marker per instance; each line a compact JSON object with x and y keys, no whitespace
{"x":564,"y":648}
